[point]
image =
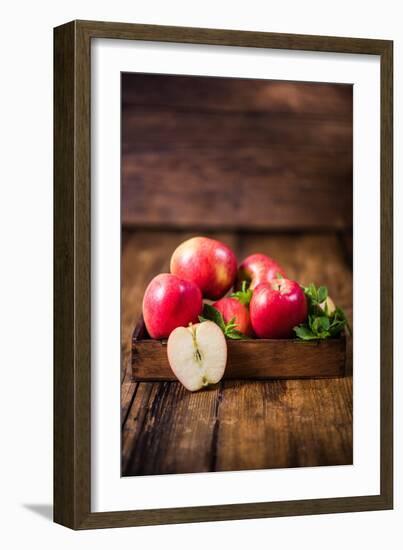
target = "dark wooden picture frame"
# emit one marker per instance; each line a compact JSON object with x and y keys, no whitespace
{"x":72,"y":274}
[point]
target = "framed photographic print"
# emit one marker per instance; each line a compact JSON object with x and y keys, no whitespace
{"x":223,"y":275}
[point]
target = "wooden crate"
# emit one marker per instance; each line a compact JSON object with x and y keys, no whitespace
{"x":255,"y":359}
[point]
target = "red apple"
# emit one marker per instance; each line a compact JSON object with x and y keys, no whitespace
{"x":208,"y":263}
{"x":257,"y":269}
{"x":277,"y":307}
{"x":170,"y":302}
{"x":231,"y":308}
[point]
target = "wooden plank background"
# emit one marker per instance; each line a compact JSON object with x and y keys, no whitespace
{"x":217,"y":153}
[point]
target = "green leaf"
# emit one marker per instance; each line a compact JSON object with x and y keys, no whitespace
{"x":339,"y":314}
{"x":336,"y":328}
{"x":244,"y":295}
{"x":320,"y":323}
{"x":322,"y":294}
{"x":210,"y":313}
{"x":236,"y":335}
{"x":312,"y":293}
{"x":303,"y":332}
{"x":311,"y":319}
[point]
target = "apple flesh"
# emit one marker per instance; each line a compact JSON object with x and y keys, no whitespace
{"x":258,"y":268}
{"x":208,"y":263}
{"x":231,"y":308}
{"x":170,"y":302}
{"x":197,"y":354}
{"x":277,"y":307}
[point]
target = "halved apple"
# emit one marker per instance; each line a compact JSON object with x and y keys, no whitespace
{"x":197,"y":354}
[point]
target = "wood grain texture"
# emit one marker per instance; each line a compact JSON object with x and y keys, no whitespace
{"x":284,"y":424}
{"x":247,"y":359}
{"x":235,"y":153}
{"x":64,"y":388}
{"x":225,"y":37}
{"x":72,"y":222}
{"x":169,"y":430}
{"x":246,"y":424}
{"x":387,"y":274}
{"x":241,"y":96}
{"x":72,"y":319}
{"x":225,"y":512}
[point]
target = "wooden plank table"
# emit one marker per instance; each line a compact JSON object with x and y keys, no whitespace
{"x":238,"y":425}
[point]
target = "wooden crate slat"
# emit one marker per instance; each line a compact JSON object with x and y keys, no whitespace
{"x":251,"y":359}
